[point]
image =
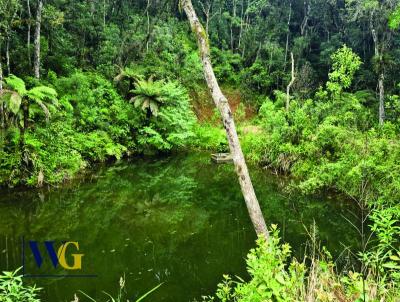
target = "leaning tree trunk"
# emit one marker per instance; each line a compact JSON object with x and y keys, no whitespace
{"x":36,"y":63}
{"x":221,"y":103}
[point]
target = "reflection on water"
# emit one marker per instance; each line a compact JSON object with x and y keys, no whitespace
{"x":179,"y":220}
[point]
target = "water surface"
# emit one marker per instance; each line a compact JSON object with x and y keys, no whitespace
{"x":180,"y":220}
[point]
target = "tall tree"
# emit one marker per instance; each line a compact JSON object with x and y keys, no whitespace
{"x":376,"y":14}
{"x":222,"y":104}
{"x":28,"y":38}
{"x":37,"y":39}
{"x":8,"y":15}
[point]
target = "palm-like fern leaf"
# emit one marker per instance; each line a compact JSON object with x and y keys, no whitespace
{"x":42,"y":93}
{"x":17,"y":84}
{"x":129,"y":73}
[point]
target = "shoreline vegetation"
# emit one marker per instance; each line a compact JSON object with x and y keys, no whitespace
{"x":132,"y":83}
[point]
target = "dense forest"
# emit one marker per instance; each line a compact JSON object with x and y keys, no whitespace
{"x":314,"y":88}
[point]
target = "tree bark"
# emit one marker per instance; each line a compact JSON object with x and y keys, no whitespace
{"x":304,"y":23}
{"x":37,"y":39}
{"x":8,"y":55}
{"x":290,"y":84}
{"x":288,"y":32}
{"x":381,"y":99}
{"x":241,"y":25}
{"x":378,"y":55}
{"x":1,"y":90}
{"x":28,"y":39}
{"x":148,"y":26}
{"x":1,"y":71}
{"x":104,"y":14}
{"x":232,"y":20}
{"x":221,"y":103}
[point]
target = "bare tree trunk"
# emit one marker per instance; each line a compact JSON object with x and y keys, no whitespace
{"x":206,"y":12}
{"x":221,"y":103}
{"x":381,"y":99}
{"x":304,"y":23}
{"x":1,"y":71}
{"x":288,"y":32}
{"x":290,"y":84}
{"x":232,"y":20}
{"x":378,"y":55}
{"x":28,"y":39}
{"x":37,"y":39}
{"x":104,"y":14}
{"x":241,"y":25}
{"x":1,"y":90}
{"x":148,"y":25}
{"x":246,"y":26}
{"x":8,"y":55}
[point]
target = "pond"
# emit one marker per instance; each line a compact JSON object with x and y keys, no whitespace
{"x":179,"y":220}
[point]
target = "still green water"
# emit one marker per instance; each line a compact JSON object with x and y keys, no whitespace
{"x":180,"y":220}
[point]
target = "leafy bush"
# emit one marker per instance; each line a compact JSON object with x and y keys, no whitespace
{"x":93,"y":123}
{"x":274,"y":276}
{"x":13,"y":290}
{"x":165,"y":118}
{"x":96,"y":105}
{"x":209,"y":137}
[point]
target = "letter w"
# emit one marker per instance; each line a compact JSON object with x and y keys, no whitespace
{"x":50,"y":250}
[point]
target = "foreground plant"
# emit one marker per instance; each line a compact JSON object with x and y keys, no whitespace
{"x":276,"y":277}
{"x":12,"y":289}
{"x":121,"y":293}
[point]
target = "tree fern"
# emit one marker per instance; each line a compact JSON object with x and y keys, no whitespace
{"x":16,"y":94}
{"x":149,"y":96}
{"x":16,"y":84}
{"x":42,"y":93}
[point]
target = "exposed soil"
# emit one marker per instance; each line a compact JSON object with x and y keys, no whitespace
{"x":204,"y":107}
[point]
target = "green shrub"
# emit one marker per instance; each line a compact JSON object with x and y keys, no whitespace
{"x":165,"y":118}
{"x":12,"y":289}
{"x":209,"y":137}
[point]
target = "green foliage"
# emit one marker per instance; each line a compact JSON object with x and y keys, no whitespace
{"x":257,"y":77}
{"x":394,"y":19}
{"x":150,"y":96}
{"x":227,"y":66}
{"x":330,"y":142}
{"x":209,"y":137}
{"x":43,"y":97}
{"x":122,"y":293}
{"x":345,"y":63}
{"x":271,"y":279}
{"x":167,"y":120}
{"x":93,"y":123}
{"x":275,"y":276}
{"x":12,"y":289}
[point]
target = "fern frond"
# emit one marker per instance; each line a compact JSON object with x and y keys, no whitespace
{"x":16,"y":83}
{"x":42,"y":93}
